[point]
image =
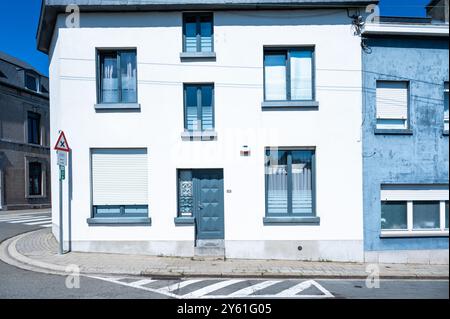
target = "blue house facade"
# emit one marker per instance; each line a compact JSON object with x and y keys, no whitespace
{"x":405,"y":142}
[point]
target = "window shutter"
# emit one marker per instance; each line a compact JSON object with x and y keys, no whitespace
{"x":414,"y":193}
{"x":119,"y":177}
{"x":392,"y":100}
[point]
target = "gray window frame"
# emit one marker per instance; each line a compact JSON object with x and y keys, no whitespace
{"x":37,"y":79}
{"x":199,"y":105}
{"x":104,"y":51}
{"x":34,"y":116}
{"x":286,"y":50}
{"x":290,"y":217}
{"x":198,"y":16}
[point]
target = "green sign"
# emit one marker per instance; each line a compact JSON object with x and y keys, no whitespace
{"x":62,"y":173}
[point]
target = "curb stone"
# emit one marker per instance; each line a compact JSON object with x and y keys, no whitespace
{"x":10,"y":255}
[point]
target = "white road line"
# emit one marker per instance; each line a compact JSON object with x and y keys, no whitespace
{"x":29,"y":220}
{"x":115,"y":281}
{"x":249,"y":290}
{"x":19,"y":218}
{"x":46,"y":226}
{"x":178,"y":285}
{"x":293,"y":291}
{"x":38,"y":223}
{"x":206,"y":290}
{"x":141,"y":282}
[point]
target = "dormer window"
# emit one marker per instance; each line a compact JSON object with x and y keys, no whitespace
{"x":2,"y":75}
{"x":32,"y":82}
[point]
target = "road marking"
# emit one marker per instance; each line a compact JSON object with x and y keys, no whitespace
{"x":203,"y":293}
{"x":293,"y":291}
{"x":29,"y":220}
{"x":206,"y":290}
{"x":178,"y":285}
{"x":142,"y":282}
{"x":252,"y":289}
{"x":38,"y":223}
{"x":19,"y":218}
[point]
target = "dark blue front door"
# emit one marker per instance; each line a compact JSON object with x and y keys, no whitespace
{"x":208,"y":203}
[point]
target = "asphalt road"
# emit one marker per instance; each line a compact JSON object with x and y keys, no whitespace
{"x":21,"y":284}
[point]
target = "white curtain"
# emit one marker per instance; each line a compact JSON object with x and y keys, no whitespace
{"x":275,"y":77}
{"x":110,"y":87}
{"x":277,"y":188}
{"x":301,"y":75}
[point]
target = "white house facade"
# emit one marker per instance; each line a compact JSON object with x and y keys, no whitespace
{"x":198,"y":128}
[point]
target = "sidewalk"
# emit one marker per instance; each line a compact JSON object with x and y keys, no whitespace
{"x":37,"y":251}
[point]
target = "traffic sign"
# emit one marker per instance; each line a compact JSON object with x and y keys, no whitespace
{"x":62,"y":158}
{"x":62,"y":173}
{"x":61,"y":144}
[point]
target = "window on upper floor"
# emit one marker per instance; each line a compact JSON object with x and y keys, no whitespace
{"x":392,"y":105}
{"x":446,"y":113}
{"x":414,"y":210}
{"x":289,"y":74}
{"x":199,"y":107}
{"x":117,"y":77}
{"x":34,"y":128}
{"x":32,"y":81}
{"x":198,"y":32}
{"x":289,"y":182}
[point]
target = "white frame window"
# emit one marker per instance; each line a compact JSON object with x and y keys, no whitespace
{"x":413,"y":197}
{"x":446,"y":112}
{"x":32,"y":76}
{"x":392,"y":105}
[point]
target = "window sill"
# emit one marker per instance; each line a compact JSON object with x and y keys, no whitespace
{"x":119,"y":221}
{"x":197,"y":56}
{"x":117,"y":106}
{"x":180,"y":221}
{"x":313,"y":220}
{"x":199,"y":136}
{"x":268,"y":105}
{"x":393,"y":132}
{"x":35,"y":196}
{"x":415,"y":233}
{"x":445,"y":133}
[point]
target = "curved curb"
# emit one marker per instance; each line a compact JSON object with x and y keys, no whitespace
{"x":10,"y":255}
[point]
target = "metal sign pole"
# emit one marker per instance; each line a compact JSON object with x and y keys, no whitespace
{"x":61,"y":238}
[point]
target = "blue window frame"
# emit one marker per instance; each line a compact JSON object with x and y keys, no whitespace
{"x":199,"y":107}
{"x":117,"y":76}
{"x":198,"y":32}
{"x":289,"y":74}
{"x":290,"y":182}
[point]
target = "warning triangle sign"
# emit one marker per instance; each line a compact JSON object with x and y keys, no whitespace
{"x":61,"y":144}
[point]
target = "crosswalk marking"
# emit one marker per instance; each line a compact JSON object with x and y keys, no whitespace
{"x":179,"y":285}
{"x":293,"y":288}
{"x":5,"y":219}
{"x":28,"y":220}
{"x":252,"y":289}
{"x":38,"y":223}
{"x":206,"y":290}
{"x":40,"y":220}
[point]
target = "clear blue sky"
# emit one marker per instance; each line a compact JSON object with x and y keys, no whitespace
{"x":19,"y":19}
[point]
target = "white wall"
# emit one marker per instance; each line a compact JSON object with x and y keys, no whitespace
{"x":334,"y":129}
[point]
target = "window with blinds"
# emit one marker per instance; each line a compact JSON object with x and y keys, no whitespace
{"x":119,"y":182}
{"x":392,"y":98}
{"x":198,"y":32}
{"x":446,"y":114}
{"x":199,"y":107}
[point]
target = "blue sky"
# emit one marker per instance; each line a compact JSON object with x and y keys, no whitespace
{"x":19,"y":19}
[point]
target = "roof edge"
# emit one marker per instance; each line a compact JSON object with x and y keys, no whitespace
{"x":51,"y":8}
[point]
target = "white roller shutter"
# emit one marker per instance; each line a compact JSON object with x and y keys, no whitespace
{"x":119,"y":177}
{"x":392,"y":100}
{"x":414,"y":193}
